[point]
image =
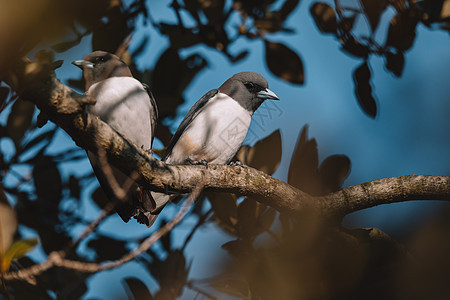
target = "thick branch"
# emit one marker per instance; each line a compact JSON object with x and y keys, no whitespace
{"x":65,"y":108}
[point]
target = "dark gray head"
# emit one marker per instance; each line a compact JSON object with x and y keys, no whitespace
{"x":100,"y":65}
{"x":249,"y":89}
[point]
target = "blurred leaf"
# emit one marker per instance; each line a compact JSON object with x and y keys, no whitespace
{"x":109,"y":36}
{"x":224,"y":206}
{"x":246,"y":218}
{"x":64,"y":46}
{"x":99,"y":198}
{"x":47,"y":182}
{"x":74,"y":187}
{"x":287,"y":8}
{"x":284,"y":63}
{"x":141,"y":47}
{"x":8,"y":223}
{"x":304,"y":164}
{"x":19,"y":120}
{"x":108,"y":248}
{"x":355,"y":48}
{"x":333,"y":171}
{"x":265,"y":155}
{"x":402,"y":30}
{"x":395,"y":62}
{"x":324,"y":17}
{"x":373,"y":10}
{"x":239,"y":248}
{"x":171,"y":275}
{"x":38,"y":139}
{"x":266,"y":218}
{"x":348,"y":22}
{"x":136,"y":289}
{"x":4,"y":92}
{"x":239,"y":56}
{"x":233,"y":287}
{"x":17,"y":250}
{"x":363,"y":90}
{"x":166,"y":240}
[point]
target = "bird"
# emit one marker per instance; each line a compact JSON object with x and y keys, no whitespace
{"x":128,"y":106}
{"x":215,"y":127}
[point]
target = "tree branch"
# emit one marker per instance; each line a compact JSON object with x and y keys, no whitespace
{"x":65,"y":108}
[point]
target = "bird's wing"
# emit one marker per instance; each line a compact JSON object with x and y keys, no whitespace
{"x":190,"y":116}
{"x":154,"y":115}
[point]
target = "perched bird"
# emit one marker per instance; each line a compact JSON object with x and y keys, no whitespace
{"x":128,"y":107}
{"x":215,"y":127}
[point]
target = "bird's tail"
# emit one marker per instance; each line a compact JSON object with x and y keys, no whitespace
{"x":150,"y":206}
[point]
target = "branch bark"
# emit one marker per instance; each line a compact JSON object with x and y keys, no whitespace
{"x":65,"y":108}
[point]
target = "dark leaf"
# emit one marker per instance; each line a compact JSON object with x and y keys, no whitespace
{"x":108,"y":248}
{"x":266,"y":218}
{"x":246,"y":225}
{"x":239,"y":57}
{"x":19,"y":120}
{"x":395,"y":62}
{"x":4,"y":92}
{"x":233,"y":287}
{"x":136,"y":289}
{"x":100,"y":198}
{"x":166,"y":240}
{"x":74,"y":187}
{"x":324,"y":17}
{"x":373,"y":10}
{"x":265,"y":155}
{"x":287,"y":8}
{"x":109,"y":36}
{"x":347,"y":23}
{"x":363,"y":90}
{"x":333,"y":171}
{"x":47,"y":182}
{"x":45,"y":136}
{"x":225,"y":207}
{"x":172,"y":273}
{"x":64,"y":46}
{"x":239,"y":248}
{"x":303,"y":170}
{"x":355,"y":48}
{"x":402,"y":30}
{"x":141,"y":46}
{"x":284,"y":63}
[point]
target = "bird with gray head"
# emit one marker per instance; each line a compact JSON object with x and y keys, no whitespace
{"x":128,"y":107}
{"x":215,"y":127}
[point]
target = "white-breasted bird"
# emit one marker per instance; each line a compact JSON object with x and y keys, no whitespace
{"x":128,"y":107}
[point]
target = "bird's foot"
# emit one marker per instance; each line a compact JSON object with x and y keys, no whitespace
{"x":236,"y":163}
{"x":149,"y":151}
{"x":202,"y":162}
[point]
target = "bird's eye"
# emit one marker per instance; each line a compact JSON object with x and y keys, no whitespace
{"x":100,"y":59}
{"x":250,"y":86}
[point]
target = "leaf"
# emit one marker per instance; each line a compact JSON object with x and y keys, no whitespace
{"x":287,"y":8}
{"x":8,"y":223}
{"x":324,"y":17}
{"x":224,"y":206}
{"x":239,"y":248}
{"x":395,"y":62}
{"x":64,"y":46}
{"x":47,"y":182}
{"x":246,"y":218}
{"x":373,"y":10}
{"x":333,"y":171}
{"x":265,"y":155}
{"x":38,"y":139}
{"x":19,"y":120}
{"x":266,"y":218}
{"x":17,"y":250}
{"x":108,"y":248}
{"x":100,"y":198}
{"x":402,"y":30}
{"x":136,"y":289}
{"x":355,"y":48}
{"x":74,"y":187}
{"x":363,"y":90}
{"x":4,"y":92}
{"x":233,"y":287}
{"x":303,"y":170}
{"x":284,"y":63}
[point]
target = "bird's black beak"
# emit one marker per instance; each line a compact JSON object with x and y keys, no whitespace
{"x":267,"y":94}
{"x":83,"y":63}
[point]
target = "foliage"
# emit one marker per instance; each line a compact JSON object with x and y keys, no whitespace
{"x":271,"y":255}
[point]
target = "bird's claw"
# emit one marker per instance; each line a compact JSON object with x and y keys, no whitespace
{"x":236,"y":163}
{"x":202,"y":162}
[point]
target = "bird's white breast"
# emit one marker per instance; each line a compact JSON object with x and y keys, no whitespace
{"x":215,"y":134}
{"x":123,"y":103}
